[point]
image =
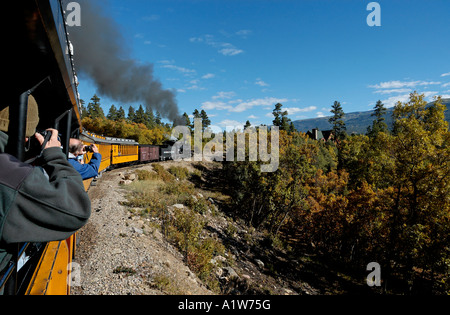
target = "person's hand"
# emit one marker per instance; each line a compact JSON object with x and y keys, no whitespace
{"x":53,"y":142}
{"x":95,"y":149}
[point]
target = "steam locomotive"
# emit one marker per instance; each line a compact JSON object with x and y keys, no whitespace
{"x":38,"y":60}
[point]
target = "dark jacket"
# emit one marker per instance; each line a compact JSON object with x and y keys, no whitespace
{"x":39,"y":207}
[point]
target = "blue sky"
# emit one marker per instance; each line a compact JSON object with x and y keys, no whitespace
{"x":238,"y":58}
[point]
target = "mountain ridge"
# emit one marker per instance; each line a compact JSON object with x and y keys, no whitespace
{"x":356,"y":122}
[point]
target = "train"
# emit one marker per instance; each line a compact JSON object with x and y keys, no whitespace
{"x":122,"y":152}
{"x":39,"y":61}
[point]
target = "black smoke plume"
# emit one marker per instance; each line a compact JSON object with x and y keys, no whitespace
{"x":100,"y":53}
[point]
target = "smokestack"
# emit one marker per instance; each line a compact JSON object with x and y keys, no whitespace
{"x":100,"y":54}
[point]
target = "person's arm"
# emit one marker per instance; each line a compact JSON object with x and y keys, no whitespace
{"x":45,"y":209}
{"x":89,"y":170}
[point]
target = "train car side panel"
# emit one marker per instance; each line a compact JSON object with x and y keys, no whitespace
{"x":148,"y":153}
{"x":124,"y":154}
{"x":105,"y":150}
{"x":52,"y":275}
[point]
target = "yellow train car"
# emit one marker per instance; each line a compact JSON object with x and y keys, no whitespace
{"x":39,"y":51}
{"x":52,"y":275}
{"x":124,"y":153}
{"x":114,"y":151}
{"x":104,"y":148}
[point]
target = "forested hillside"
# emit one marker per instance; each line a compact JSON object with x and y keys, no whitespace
{"x":381,"y":198}
{"x":356,"y":122}
{"x":140,"y":125}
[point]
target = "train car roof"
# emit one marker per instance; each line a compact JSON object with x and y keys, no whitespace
{"x":90,"y":137}
{"x":35,"y":47}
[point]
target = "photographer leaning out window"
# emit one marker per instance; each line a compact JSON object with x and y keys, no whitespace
{"x":76,"y":152}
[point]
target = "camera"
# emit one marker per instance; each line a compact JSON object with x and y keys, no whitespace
{"x":88,"y":148}
{"x":33,"y":146}
{"x":48,"y":134}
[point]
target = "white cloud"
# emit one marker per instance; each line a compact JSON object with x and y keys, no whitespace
{"x":257,"y":102}
{"x":445,"y":74}
{"x":446,"y":84}
{"x":196,"y":88}
{"x":166,"y":62}
{"x":216,"y":105}
{"x":261,"y":82}
{"x":252,"y":117}
{"x":226,"y":49}
{"x":393,"y":100}
{"x":224,"y":95}
{"x":294,"y":110}
{"x":391,"y":91}
{"x":229,"y":124}
{"x":320,"y":114}
{"x":239,"y":106}
{"x":401,"y":84}
{"x":208,"y":76}
{"x":230,"y":51}
{"x":180,"y":69}
{"x":244,"y":33}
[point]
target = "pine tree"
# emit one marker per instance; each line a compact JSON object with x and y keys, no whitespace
{"x":206,"y":122}
{"x":379,"y":124}
{"x":186,"y":120}
{"x":281,"y":118}
{"x":337,"y":121}
{"x":112,"y":114}
{"x":158,"y":120}
{"x":84,"y":112}
{"x":94,"y":109}
{"x":131,"y":113}
{"x":150,"y":118}
{"x":196,"y":114}
{"x":120,"y":114}
{"x":140,"y":117}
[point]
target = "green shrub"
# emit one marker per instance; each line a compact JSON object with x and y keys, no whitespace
{"x":179,"y":172}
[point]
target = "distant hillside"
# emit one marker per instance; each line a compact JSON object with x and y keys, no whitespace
{"x":356,"y":122}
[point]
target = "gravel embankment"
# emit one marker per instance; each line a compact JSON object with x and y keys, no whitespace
{"x":118,"y":254}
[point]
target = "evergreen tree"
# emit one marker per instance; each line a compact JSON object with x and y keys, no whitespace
{"x":112,"y":114}
{"x":196,"y":114}
{"x":94,"y":109}
{"x":158,"y":120}
{"x":150,"y":118}
{"x":379,"y":124}
{"x":247,"y":125}
{"x":120,"y":114}
{"x":140,"y":117}
{"x":84,"y":112}
{"x":337,"y":121}
{"x":205,"y":120}
{"x":131,"y":113}
{"x":281,"y":118}
{"x":291,"y":127}
{"x":186,"y":120}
